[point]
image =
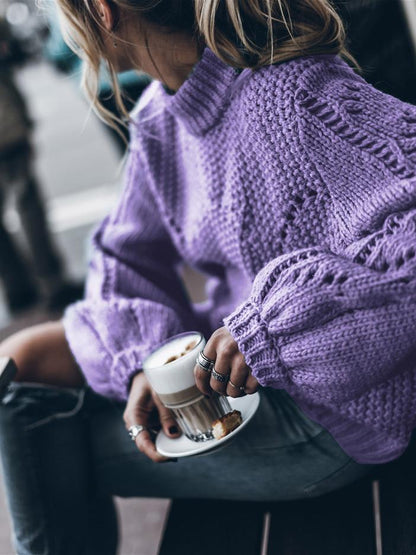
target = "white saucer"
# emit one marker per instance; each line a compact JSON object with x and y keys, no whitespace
{"x":184,"y":447}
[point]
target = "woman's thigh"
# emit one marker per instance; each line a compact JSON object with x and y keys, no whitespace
{"x":281,"y":454}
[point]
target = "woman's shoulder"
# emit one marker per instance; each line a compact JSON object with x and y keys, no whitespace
{"x":319,"y":80}
{"x":338,"y":104}
{"x":281,"y":80}
{"x":275,"y":94}
{"x":330,"y":78}
{"x":308,"y":97}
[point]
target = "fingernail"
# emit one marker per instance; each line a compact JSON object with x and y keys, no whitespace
{"x":173,"y":430}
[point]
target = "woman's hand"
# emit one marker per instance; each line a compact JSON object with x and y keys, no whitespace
{"x":145,"y":408}
{"x":42,"y":355}
{"x":230,"y":362}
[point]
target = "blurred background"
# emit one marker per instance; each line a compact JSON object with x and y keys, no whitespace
{"x":61,"y":171}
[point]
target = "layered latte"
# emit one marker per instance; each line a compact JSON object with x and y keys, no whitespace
{"x":170,"y":371}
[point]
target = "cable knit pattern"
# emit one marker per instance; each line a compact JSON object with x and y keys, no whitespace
{"x":293,"y":189}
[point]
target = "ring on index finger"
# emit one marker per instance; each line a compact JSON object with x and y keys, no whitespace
{"x":205,"y":363}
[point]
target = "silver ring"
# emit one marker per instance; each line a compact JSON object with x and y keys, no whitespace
{"x":219,"y":377}
{"x":135,"y":430}
{"x":204,"y":357}
{"x":240,"y":387}
{"x":204,"y":362}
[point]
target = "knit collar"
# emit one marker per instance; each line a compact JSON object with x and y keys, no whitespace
{"x":201,"y":99}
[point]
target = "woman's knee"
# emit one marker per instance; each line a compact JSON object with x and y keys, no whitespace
{"x":42,"y":355}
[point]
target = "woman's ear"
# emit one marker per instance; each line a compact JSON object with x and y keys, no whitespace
{"x":106,"y":14}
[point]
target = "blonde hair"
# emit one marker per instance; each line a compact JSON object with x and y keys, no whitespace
{"x":241,"y":33}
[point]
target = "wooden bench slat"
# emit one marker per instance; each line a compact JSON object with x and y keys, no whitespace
{"x":340,"y":523}
{"x":204,"y":527}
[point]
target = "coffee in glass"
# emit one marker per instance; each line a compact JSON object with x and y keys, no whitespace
{"x":169,"y":370}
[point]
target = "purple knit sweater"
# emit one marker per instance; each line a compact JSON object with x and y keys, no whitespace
{"x":293,"y":188}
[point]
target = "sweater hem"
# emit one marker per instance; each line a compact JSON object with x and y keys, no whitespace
{"x":363,"y":444}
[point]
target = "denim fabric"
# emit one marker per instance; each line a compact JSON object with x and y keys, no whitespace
{"x":45,"y":452}
{"x":65,"y":452}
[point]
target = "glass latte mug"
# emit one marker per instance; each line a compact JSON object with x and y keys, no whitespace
{"x":170,"y":371}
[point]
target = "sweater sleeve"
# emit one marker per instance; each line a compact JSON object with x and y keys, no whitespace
{"x":336,"y":326}
{"x":135,"y":298}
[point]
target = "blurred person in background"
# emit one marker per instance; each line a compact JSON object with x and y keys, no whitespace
{"x":42,"y":279}
{"x":132,"y":83}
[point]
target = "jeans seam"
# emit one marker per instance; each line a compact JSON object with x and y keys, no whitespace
{"x":310,"y":488}
{"x":277,"y":448}
{"x":38,"y":492}
{"x":48,"y":387}
{"x":59,"y":415}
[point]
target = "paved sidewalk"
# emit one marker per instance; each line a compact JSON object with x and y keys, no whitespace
{"x":78,"y":168}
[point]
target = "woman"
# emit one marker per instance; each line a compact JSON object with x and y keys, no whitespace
{"x":292,"y":185}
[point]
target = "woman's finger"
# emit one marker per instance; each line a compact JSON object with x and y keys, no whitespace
{"x":145,"y":444}
{"x":168,"y":422}
{"x":138,"y":411}
{"x":221,"y":372}
{"x":143,"y":440}
{"x":252,"y":384}
{"x":202,"y":377}
{"x":238,"y":377}
{"x":140,"y":403}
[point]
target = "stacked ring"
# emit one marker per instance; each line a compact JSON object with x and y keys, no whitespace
{"x":219,"y":377}
{"x":240,"y":387}
{"x":204,"y":362}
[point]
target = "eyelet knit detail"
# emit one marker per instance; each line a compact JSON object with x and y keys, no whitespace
{"x":383,"y":253}
{"x":387,"y":152}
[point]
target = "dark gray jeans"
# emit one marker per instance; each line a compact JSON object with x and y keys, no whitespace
{"x":65,"y":452}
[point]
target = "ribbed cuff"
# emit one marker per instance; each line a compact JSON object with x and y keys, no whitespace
{"x":125,"y":366}
{"x":252,"y":337}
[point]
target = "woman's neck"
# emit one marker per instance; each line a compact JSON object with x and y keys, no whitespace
{"x":168,"y":58}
